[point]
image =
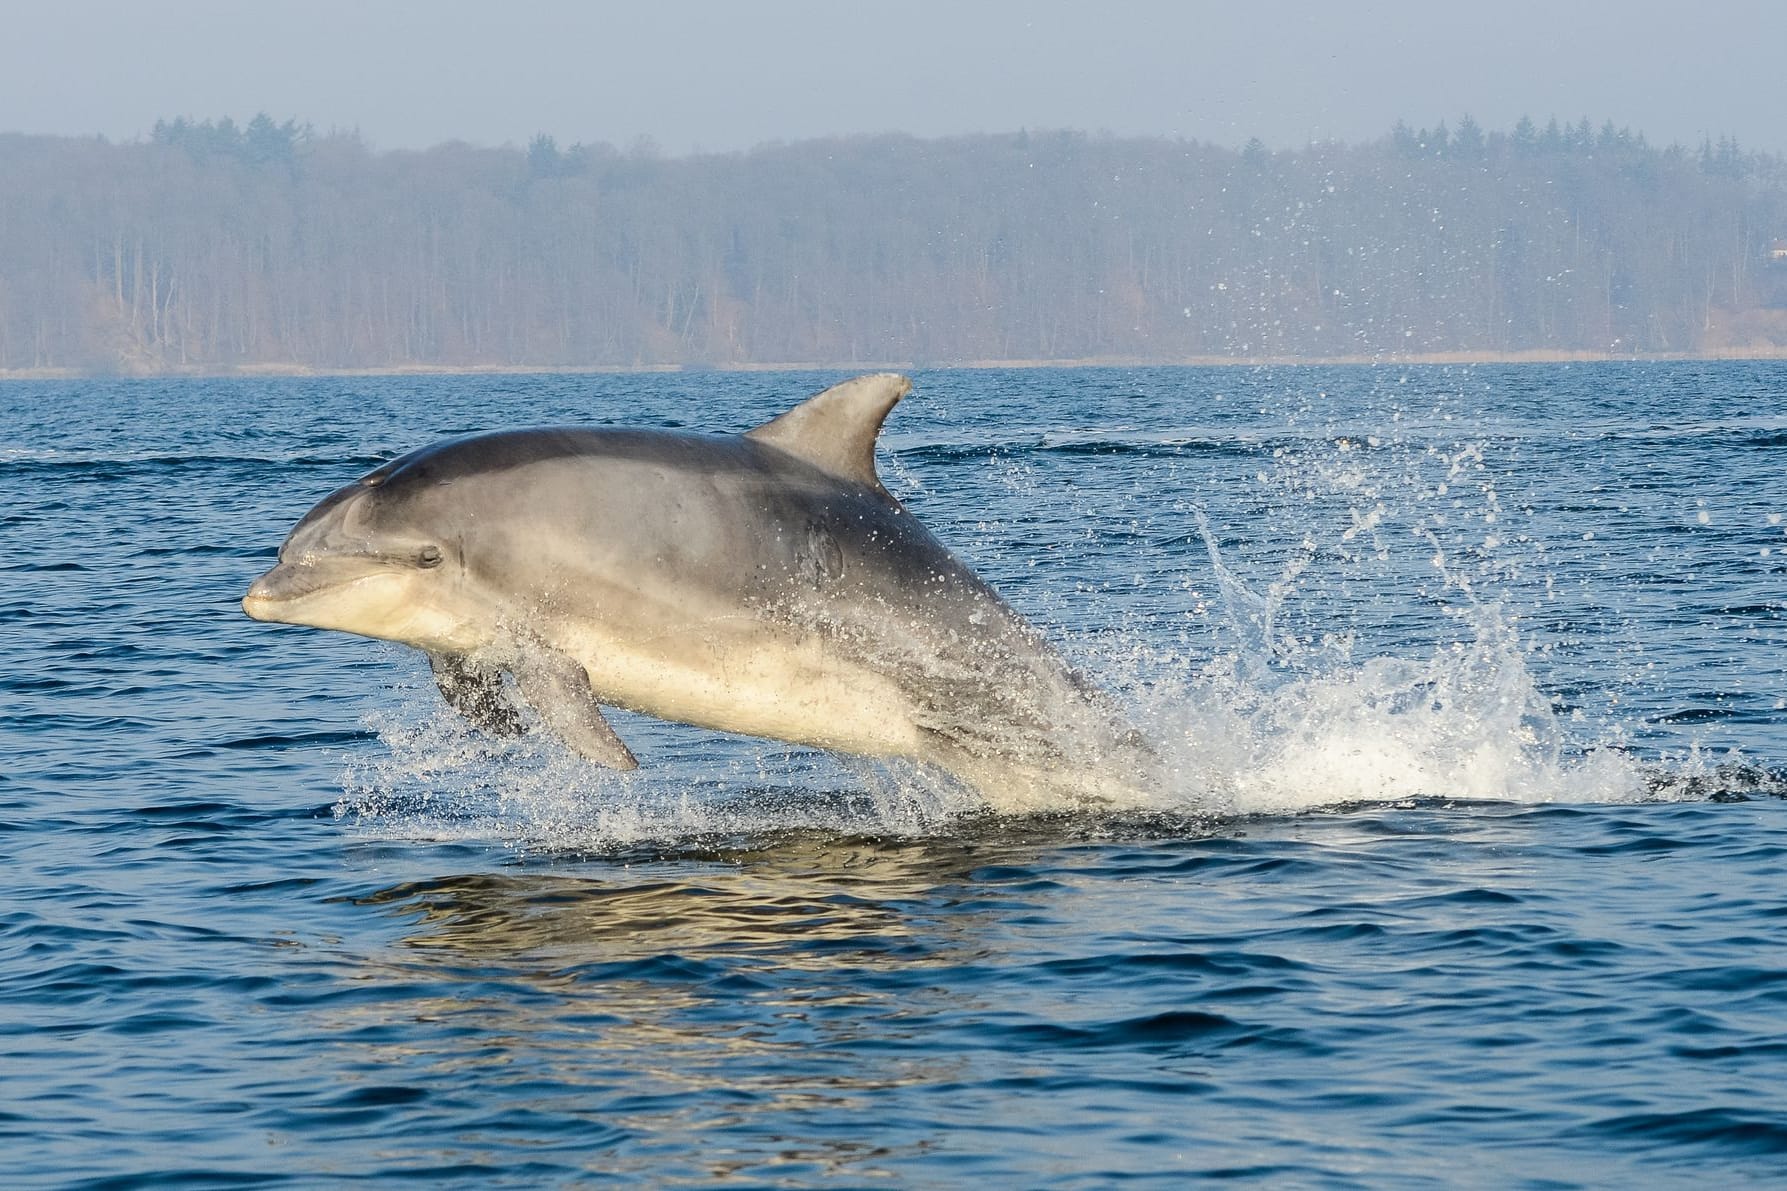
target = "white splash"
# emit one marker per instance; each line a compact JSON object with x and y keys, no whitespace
{"x":1279,"y":723}
{"x":1465,"y":722}
{"x":435,"y":778}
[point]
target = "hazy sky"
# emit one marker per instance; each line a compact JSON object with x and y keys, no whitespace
{"x":722,"y":76}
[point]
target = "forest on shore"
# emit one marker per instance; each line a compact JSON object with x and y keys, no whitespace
{"x":213,"y":246}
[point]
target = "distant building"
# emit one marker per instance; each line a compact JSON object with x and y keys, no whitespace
{"x":1778,"y":251}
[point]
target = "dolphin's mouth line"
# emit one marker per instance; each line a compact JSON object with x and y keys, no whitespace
{"x":288,"y":583}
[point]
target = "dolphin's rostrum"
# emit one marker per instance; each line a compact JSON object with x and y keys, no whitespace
{"x":763,"y":583}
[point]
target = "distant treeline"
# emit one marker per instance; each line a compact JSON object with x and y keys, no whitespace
{"x":213,"y":245}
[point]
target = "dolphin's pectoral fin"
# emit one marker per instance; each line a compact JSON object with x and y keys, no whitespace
{"x":558,"y":689}
{"x":475,"y":693}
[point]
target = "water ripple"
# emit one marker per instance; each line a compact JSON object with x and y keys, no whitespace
{"x":1472,"y":675}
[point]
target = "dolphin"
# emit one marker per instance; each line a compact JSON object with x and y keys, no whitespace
{"x":763,"y":583}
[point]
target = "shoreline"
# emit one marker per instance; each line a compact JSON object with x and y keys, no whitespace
{"x":1387,"y":360}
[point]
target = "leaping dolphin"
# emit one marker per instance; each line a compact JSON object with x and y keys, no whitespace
{"x":763,"y":583}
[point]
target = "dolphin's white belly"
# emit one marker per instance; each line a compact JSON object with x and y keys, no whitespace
{"x":751,"y":682}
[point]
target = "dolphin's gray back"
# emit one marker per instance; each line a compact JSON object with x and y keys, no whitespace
{"x":716,"y":508}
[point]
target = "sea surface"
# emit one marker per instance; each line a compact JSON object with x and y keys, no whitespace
{"x":1473,"y":871}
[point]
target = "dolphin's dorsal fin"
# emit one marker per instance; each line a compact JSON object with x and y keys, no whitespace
{"x":835,"y":430}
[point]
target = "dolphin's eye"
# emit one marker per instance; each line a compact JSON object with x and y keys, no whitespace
{"x":430,"y":556}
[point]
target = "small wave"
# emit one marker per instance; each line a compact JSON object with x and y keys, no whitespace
{"x":53,"y":460}
{"x":1234,"y":440}
{"x":1139,"y":443}
{"x":276,"y":740}
{"x":1749,"y":432}
{"x":1726,"y":781}
{"x":1698,"y":715}
{"x":1725,"y":1130}
{"x":1175,"y":1031}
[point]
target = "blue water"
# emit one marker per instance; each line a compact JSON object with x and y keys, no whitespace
{"x":1474,"y":681}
